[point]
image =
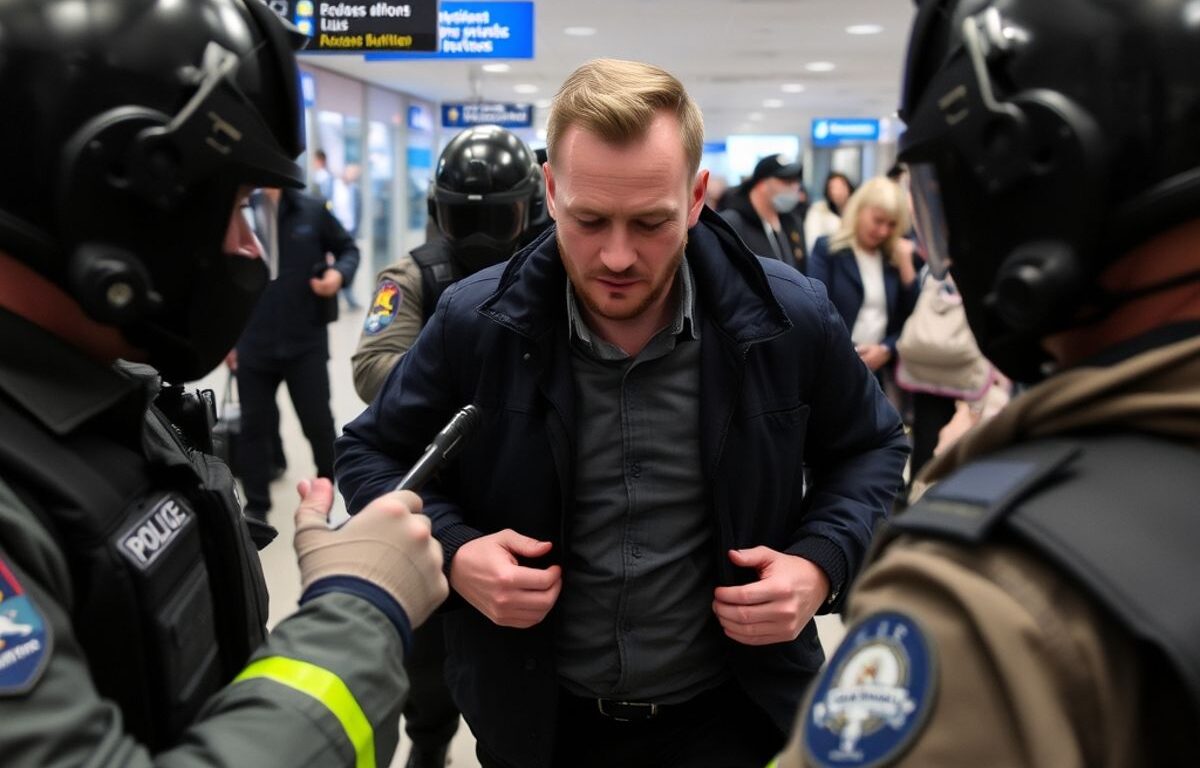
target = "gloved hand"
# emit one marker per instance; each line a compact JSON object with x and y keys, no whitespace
{"x":388,"y":544}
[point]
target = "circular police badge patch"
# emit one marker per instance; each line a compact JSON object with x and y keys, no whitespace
{"x":24,"y":637}
{"x":384,"y":307}
{"x":873,"y":697}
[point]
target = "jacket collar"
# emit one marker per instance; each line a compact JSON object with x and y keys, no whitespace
{"x":731,"y":287}
{"x":56,"y":384}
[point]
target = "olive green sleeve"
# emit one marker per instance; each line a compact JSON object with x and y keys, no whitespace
{"x":391,"y":326}
{"x":325,"y":689}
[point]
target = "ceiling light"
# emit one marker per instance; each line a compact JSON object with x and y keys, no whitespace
{"x":755,"y":116}
{"x":864,"y":29}
{"x":792,"y":87}
{"x":820,"y":66}
{"x":772,"y":103}
{"x":496,"y":67}
{"x":580,"y":31}
{"x":525,"y":88}
{"x":543,"y":103}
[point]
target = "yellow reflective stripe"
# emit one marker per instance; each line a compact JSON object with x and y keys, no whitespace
{"x":327,"y":688}
{"x":774,"y":763}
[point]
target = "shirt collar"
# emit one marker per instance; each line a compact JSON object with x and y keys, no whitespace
{"x":57,"y":384}
{"x":684,"y":322}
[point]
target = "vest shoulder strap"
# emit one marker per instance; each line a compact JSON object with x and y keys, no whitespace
{"x":1116,"y":513}
{"x":437,"y":273}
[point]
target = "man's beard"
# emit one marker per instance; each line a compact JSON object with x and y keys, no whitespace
{"x":578,"y":281}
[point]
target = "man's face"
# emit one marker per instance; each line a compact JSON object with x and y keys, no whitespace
{"x":239,"y":237}
{"x":623,"y":213}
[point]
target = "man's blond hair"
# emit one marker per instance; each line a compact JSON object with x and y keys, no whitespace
{"x":617,"y":100}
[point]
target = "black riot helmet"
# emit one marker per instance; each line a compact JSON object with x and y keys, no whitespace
{"x":1045,"y":139}
{"x":128,"y":128}
{"x":484,"y":194}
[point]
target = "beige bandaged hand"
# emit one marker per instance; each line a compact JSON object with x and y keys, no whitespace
{"x":388,"y":544}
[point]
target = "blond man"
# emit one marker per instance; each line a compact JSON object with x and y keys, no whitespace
{"x":635,"y":561}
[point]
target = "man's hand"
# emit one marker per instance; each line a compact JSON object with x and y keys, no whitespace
{"x":387,"y":544}
{"x":875,"y":356}
{"x":327,"y":284}
{"x":775,"y":608}
{"x":485,"y":572}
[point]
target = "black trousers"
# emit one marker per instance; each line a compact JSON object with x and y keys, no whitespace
{"x":720,"y":728}
{"x":307,"y":378}
{"x":930,"y":414}
{"x":430,"y":716}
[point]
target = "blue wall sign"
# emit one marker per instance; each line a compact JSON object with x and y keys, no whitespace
{"x":504,"y":115}
{"x":308,"y":89}
{"x":486,"y":30}
{"x":831,"y":131}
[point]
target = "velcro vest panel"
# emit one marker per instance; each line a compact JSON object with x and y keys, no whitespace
{"x":1117,"y":514}
{"x":438,"y":272}
{"x":169,"y":598}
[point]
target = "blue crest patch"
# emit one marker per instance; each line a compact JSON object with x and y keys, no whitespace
{"x":874,"y":695}
{"x":384,"y":307}
{"x":24,"y":637}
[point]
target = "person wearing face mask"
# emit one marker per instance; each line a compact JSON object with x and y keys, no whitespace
{"x":485,"y":202}
{"x":763,"y":211}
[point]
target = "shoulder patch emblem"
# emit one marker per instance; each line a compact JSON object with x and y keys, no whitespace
{"x":873,"y":697}
{"x":24,"y":637}
{"x":384,"y":307}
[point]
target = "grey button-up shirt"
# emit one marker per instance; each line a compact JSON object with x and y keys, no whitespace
{"x":635,"y":615}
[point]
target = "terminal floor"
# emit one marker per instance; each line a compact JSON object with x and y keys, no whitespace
{"x":279,"y":562}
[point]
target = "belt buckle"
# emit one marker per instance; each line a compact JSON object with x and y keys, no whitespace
{"x":613,"y":710}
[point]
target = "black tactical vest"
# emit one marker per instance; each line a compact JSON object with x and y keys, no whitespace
{"x":169,"y":595}
{"x":1119,"y":515}
{"x":438,"y":272}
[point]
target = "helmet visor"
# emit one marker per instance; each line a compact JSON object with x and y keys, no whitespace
{"x":930,"y":215}
{"x":502,"y":221}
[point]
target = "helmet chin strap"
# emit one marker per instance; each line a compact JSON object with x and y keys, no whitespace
{"x":1107,"y":302}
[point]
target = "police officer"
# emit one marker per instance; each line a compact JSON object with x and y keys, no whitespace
{"x":132,"y":604}
{"x":1035,"y":606}
{"x":286,"y":338}
{"x":487,"y":199}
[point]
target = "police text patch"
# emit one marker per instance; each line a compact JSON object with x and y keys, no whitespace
{"x":873,"y":697}
{"x":154,"y":533}
{"x":24,"y":637}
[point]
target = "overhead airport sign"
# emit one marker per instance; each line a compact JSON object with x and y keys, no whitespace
{"x":363,"y":25}
{"x":484,"y":30}
{"x":504,"y":115}
{"x":831,"y":131}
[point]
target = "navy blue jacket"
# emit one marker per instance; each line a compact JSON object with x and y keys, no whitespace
{"x":781,"y":388}
{"x":839,"y":272}
{"x":290,"y":319}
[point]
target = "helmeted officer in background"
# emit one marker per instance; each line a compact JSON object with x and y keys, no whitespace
{"x":132,"y":604}
{"x":487,"y":198}
{"x":1035,"y":607}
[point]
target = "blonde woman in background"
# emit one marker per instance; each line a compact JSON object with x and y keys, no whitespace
{"x":867,"y":268}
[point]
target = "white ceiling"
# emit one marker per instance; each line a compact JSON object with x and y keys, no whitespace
{"x":732,"y":55}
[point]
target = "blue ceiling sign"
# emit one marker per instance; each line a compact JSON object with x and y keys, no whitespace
{"x":347,"y":26}
{"x":490,"y":30}
{"x":831,"y":131}
{"x":504,"y":115}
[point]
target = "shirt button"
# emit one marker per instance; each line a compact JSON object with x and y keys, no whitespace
{"x":526,"y":357}
{"x":636,"y":551}
{"x":635,"y":469}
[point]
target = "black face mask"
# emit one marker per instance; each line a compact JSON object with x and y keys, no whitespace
{"x":184,"y":343}
{"x":477,"y":251}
